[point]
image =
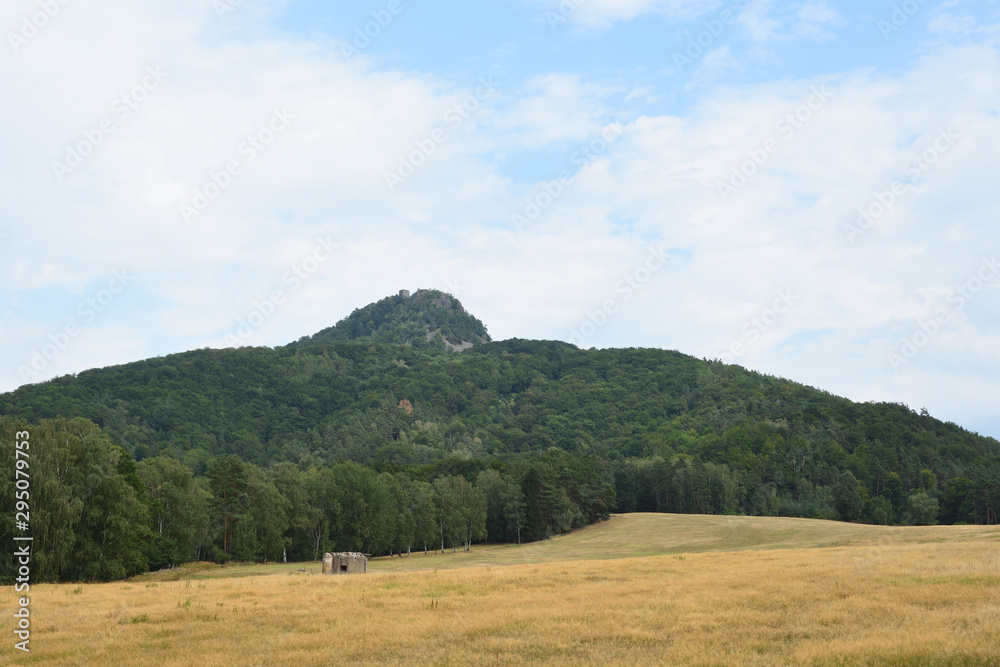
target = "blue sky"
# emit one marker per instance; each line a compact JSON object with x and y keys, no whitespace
{"x":809,"y":192}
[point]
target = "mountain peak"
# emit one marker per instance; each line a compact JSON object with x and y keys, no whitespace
{"x":426,"y":318}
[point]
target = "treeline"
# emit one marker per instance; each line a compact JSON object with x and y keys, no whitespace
{"x":323,"y":404}
{"x":667,"y":432}
{"x":97,"y":515}
{"x":686,"y":485}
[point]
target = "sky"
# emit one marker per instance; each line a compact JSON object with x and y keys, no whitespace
{"x":807,"y":189}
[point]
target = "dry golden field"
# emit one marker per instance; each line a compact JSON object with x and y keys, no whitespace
{"x":639,"y":589}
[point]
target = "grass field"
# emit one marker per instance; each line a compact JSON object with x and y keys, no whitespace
{"x":639,"y":589}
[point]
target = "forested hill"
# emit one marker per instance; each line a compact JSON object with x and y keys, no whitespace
{"x":427,"y":319}
{"x":375,"y":436}
{"x":776,"y":446}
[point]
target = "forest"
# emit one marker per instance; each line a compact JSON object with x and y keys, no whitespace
{"x":96,"y":514}
{"x":373,"y":436}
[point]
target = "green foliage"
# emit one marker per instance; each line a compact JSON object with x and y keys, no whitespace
{"x":371,"y":437}
{"x":161,"y":552}
{"x":449,"y":514}
{"x":267,"y":509}
{"x":246,"y":545}
{"x":408,"y":320}
{"x":88,"y":520}
{"x":878,"y":511}
{"x":922,"y":509}
{"x":847,"y":497}
{"x":228,"y":479}
{"x":178,"y":509}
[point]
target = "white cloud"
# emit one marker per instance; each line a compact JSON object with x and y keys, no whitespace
{"x":785,"y":227}
{"x":604,"y":13}
{"x":554,"y":108}
{"x":951,"y":23}
{"x":658,"y":183}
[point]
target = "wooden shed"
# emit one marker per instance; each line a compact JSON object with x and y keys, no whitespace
{"x":345,"y":563}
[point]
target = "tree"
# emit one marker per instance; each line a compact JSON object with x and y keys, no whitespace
{"x":514,"y":508}
{"x":228,"y":478}
{"x":531,"y":487}
{"x":472,"y":504}
{"x":447,"y":502}
{"x":425,"y":529}
{"x":301,"y":516}
{"x":505,"y":508}
{"x":956,"y":501}
{"x":491,"y":484}
{"x":878,"y":511}
{"x":893,"y":491}
{"x":246,"y":545}
{"x":922,"y":509}
{"x":178,"y":508}
{"x":55,"y":508}
{"x":318,"y":485}
{"x":110,"y":520}
{"x":847,"y":498}
{"x":407,"y":508}
{"x":359,"y":507}
{"x":161,"y":552}
{"x":269,"y":511}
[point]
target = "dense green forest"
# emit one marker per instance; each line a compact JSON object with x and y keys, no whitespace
{"x":96,"y":514}
{"x":372,"y":435}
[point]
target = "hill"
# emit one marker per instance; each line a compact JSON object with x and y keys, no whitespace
{"x":348,"y":442}
{"x":717,"y":438}
{"x":427,"y":319}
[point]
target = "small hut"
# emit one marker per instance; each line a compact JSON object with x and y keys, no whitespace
{"x":345,"y":563}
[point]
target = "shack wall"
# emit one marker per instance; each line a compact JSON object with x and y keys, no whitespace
{"x":345,"y":563}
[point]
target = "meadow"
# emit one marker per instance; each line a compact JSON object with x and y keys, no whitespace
{"x":638,"y":589}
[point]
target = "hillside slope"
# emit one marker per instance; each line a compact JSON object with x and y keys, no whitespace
{"x":644,"y":534}
{"x":671,"y":432}
{"x":425,"y":319}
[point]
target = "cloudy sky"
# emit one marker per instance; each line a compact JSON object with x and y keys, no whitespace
{"x":808,"y":189}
